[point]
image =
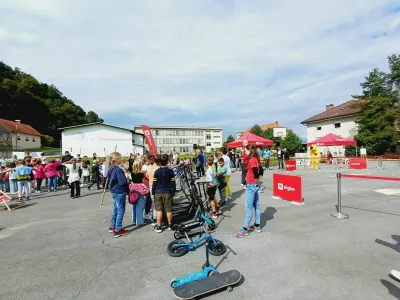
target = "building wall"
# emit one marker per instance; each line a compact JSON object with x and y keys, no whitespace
{"x":347,"y":129}
{"x":181,"y":139}
{"x":25,"y":141}
{"x":100,"y":139}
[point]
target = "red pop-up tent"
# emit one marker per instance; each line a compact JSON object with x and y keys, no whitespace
{"x":333,"y":140}
{"x":251,"y":139}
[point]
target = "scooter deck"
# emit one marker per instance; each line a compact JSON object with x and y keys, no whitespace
{"x":207,"y":285}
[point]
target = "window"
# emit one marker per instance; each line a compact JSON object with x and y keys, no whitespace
{"x":318,"y":128}
{"x":33,"y":140}
{"x":337,"y":125}
{"x":216,"y":137}
{"x":208,"y":144}
{"x":26,"y":140}
{"x":208,"y":136}
{"x":19,"y":138}
{"x":157,"y":132}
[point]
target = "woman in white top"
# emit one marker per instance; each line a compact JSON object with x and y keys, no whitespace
{"x":74,"y":178}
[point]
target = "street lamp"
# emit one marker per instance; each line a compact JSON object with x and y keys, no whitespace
{"x":16,"y":133}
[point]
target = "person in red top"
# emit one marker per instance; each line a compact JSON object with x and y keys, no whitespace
{"x":253,"y":170}
{"x":39,"y":175}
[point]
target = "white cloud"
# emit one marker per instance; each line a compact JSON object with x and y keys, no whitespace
{"x":228,"y":63}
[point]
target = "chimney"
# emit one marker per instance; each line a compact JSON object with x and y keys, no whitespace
{"x":276,"y":122}
{"x":330,"y":106}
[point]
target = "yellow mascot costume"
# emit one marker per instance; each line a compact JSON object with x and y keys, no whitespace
{"x":314,"y":157}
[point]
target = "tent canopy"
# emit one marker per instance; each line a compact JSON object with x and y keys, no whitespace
{"x":333,"y":140}
{"x":252,"y":139}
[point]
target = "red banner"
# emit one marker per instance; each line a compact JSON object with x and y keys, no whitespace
{"x":288,"y":187}
{"x":290,"y":165}
{"x":149,"y":139}
{"x":357,"y":163}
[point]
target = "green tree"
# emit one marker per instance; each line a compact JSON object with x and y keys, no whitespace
{"x":92,"y":117}
{"x":379,"y":107}
{"x":229,"y":139}
{"x":292,"y":142}
{"x":38,"y":104}
{"x":47,"y":140}
{"x":256,"y":129}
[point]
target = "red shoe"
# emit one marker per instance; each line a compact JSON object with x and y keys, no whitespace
{"x":120,"y":233}
{"x":111,"y":230}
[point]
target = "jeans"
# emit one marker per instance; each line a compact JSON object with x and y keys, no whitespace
{"x":118,"y":211}
{"x":13,"y":186}
{"x":252,"y":202}
{"x":23,"y":187}
{"x":267,"y":163}
{"x":280,"y":163}
{"x":39,"y":184}
{"x":75,"y":189}
{"x":137,"y":211}
{"x":52,"y":183}
{"x":5,"y":186}
{"x":221,"y":195}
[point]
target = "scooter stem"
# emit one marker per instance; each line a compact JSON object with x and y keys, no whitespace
{"x":207,"y":256}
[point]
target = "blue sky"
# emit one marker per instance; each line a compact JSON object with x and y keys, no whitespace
{"x":220,"y":63}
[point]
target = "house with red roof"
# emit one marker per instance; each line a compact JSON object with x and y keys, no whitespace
{"x":17,"y":136}
{"x":263,"y":127}
{"x":339,"y":120}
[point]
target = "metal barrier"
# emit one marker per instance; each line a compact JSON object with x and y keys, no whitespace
{"x":339,"y":176}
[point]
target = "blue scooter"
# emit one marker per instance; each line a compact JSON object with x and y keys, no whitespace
{"x":207,"y":270}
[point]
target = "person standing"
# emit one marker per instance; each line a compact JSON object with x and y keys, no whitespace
{"x":211,"y":187}
{"x":227,"y":163}
{"x":252,"y":163}
{"x":39,"y":175}
{"x":51,"y":174}
{"x":74,"y":177}
{"x":119,"y":188}
{"x":279,"y":155}
{"x":163,"y":191}
{"x":286,"y":157}
{"x":95,"y":175}
{"x":204,"y":163}
{"x":267,"y":156}
{"x":23,"y":176}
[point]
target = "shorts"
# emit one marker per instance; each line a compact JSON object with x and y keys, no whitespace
{"x":164,"y":201}
{"x":211,"y":192}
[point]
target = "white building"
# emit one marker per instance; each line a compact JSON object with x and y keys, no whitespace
{"x":17,"y":136}
{"x":182,"y":138}
{"x":339,"y":120}
{"x":101,"y":139}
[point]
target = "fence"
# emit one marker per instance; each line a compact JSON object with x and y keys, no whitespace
{"x":339,"y":177}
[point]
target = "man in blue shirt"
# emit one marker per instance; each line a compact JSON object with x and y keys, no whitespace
{"x":267,"y":156}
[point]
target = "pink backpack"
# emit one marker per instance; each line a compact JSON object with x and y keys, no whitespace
{"x":136,"y":190}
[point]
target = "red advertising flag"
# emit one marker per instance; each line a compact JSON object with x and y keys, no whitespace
{"x":288,"y":187}
{"x":149,"y":139}
{"x":357,"y":163}
{"x":290,"y":165}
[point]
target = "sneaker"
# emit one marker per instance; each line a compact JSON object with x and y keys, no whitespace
{"x":27,"y":198}
{"x":88,"y":188}
{"x":81,"y":185}
{"x":111,"y":230}
{"x":153,"y":223}
{"x":242,"y":233}
{"x":169,"y":227}
{"x":120,"y":233}
{"x":219,"y":212}
{"x":214,"y":216}
{"x":395,"y":274}
{"x":256,"y":228}
{"x":157,"y":229}
{"x":245,"y":187}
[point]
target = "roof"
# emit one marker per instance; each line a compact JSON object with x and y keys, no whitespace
{"x":267,"y":126}
{"x":13,"y":126}
{"x":180,"y":127}
{"x":339,"y":111}
{"x":98,"y":123}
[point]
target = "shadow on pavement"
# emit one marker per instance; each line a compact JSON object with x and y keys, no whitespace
{"x":380,"y":212}
{"x":267,"y":215}
{"x":395,"y":247}
{"x":392,"y":289}
{"x":17,"y":206}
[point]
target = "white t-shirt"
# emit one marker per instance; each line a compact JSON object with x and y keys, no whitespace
{"x":227,"y":162}
{"x":73,"y":173}
{"x":145,"y":168}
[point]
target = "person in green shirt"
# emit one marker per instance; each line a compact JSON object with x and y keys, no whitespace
{"x":221,"y":182}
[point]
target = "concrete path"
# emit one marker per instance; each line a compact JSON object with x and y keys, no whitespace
{"x":58,"y":248}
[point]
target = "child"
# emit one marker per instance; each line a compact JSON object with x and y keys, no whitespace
{"x":163,"y":190}
{"x":95,"y":175}
{"x":52,"y":175}
{"x":23,"y":176}
{"x":39,"y":175}
{"x":73,"y":178}
{"x":211,"y":187}
{"x":119,"y":188}
{"x":150,"y":173}
{"x":85,"y":173}
{"x":221,"y":172}
{"x":12,"y":178}
{"x":137,"y":174}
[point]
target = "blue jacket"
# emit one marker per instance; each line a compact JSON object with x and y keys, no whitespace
{"x":204,"y":160}
{"x":117,"y":180}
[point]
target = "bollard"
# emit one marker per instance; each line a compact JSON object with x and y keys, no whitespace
{"x":339,"y":214}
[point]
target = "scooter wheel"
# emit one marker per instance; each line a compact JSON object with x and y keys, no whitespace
{"x":177,"y":235}
{"x":212,"y":225}
{"x":229,"y":289}
{"x":211,"y":273}
{"x":217,"y":249}
{"x":177,"y":251}
{"x":173,"y":282}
